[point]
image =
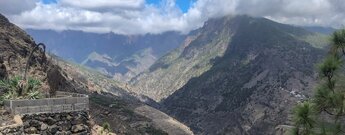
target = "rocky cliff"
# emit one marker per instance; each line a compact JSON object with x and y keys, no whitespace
{"x":15,"y":47}
{"x":267,"y":68}
{"x":203,"y":47}
{"x":235,"y":75}
{"x":194,"y":57}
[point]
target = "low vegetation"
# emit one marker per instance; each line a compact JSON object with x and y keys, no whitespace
{"x":317,"y":40}
{"x":106,"y":128}
{"x":153,"y":131}
{"x":19,"y":88}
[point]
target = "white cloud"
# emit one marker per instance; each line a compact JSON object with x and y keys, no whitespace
{"x":10,"y":7}
{"x":98,"y":4}
{"x":138,"y":17}
{"x":298,"y":12}
{"x":133,"y":21}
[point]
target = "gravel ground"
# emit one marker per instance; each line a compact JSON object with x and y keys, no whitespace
{"x":5,"y":118}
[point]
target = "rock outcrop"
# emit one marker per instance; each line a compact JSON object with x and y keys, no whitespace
{"x":3,"y":71}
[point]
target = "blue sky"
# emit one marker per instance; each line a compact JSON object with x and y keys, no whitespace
{"x":48,"y":1}
{"x":184,"y":5}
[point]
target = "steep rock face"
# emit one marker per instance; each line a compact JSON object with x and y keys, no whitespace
{"x":13,"y":40}
{"x":15,"y":47}
{"x":265,"y":70}
{"x":203,"y":47}
{"x":192,"y":59}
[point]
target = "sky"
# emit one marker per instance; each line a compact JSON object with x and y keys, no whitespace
{"x":132,"y":17}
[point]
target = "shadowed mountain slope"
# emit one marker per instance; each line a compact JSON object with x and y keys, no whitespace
{"x":266,"y":68}
{"x":203,"y":47}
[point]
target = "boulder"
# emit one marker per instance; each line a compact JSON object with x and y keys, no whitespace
{"x":44,"y":127}
{"x":50,"y":121}
{"x":31,"y":130}
{"x":53,"y":129}
{"x":79,"y":128}
{"x":35,"y":123}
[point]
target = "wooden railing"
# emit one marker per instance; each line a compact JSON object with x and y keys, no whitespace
{"x":64,"y":102}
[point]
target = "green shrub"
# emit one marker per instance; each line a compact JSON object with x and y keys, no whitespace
{"x":106,"y":128}
{"x":153,"y":131}
{"x":18,"y":88}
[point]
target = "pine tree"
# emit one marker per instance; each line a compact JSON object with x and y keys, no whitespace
{"x":324,"y":114}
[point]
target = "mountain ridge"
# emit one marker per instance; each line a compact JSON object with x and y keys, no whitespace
{"x":195,"y":55}
{"x":251,"y":89}
{"x":121,"y":50}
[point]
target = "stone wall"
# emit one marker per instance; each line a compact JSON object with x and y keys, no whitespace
{"x":66,"y":102}
{"x":76,"y":123}
{"x":57,"y":123}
